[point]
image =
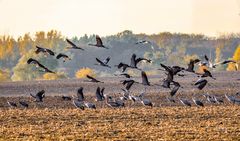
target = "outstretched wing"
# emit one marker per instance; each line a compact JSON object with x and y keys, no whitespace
{"x":80,"y":94}
{"x":225,"y":62}
{"x":175,"y":88}
{"x":50,"y":52}
{"x":167,"y":68}
{"x":39,"y":49}
{"x":70,"y":42}
{"x":98,"y":94}
{"x":106,"y":60}
{"x":145,"y":79}
{"x":59,"y":55}
{"x":142,"y":59}
{"x":206,"y":58}
{"x":93,"y":79}
{"x":99,"y":61}
{"x":30,"y":61}
{"x":99,"y":41}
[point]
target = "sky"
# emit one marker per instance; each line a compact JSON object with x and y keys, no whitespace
{"x":107,"y":17}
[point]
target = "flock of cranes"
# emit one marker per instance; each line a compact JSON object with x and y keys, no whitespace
{"x":169,"y":82}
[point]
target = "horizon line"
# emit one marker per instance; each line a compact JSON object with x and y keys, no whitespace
{"x":32,"y":34}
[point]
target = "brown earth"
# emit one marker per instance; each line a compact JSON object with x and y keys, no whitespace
{"x":55,"y":119}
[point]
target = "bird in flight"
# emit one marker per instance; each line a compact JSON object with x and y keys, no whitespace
{"x":135,"y":61}
{"x":64,"y":56}
{"x":99,"y":94}
{"x":99,"y":43}
{"x":143,"y":42}
{"x":145,"y":79}
{"x":123,"y":66}
{"x":44,"y":50}
{"x":103,"y":63}
{"x":39,"y":96}
{"x":92,"y":79}
{"x":214,"y":65}
{"x":175,"y":88}
{"x":37,"y":64}
{"x":191,"y":65}
{"x":201,"y":83}
{"x":73,"y":46}
{"x":124,"y":74}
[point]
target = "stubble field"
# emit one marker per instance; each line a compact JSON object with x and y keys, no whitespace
{"x":55,"y":119}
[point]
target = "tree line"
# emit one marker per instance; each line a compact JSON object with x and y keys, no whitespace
{"x":168,"y":48}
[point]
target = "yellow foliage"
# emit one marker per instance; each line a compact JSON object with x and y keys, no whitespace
{"x":236,"y":57}
{"x":83,"y":72}
{"x":54,"y":76}
{"x":4,"y":75}
{"x":218,"y":54}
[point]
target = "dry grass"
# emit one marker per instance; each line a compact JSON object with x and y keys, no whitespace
{"x":168,"y":123}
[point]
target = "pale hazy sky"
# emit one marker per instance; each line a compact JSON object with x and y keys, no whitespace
{"x":105,"y":17}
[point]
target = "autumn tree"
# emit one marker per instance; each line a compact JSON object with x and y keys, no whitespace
{"x":82,"y":73}
{"x":5,"y":75}
{"x":54,"y":76}
{"x":236,"y":57}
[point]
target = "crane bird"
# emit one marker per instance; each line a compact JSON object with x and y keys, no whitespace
{"x":144,"y":101}
{"x":197,"y":102}
{"x":171,"y":72}
{"x":201,"y":83}
{"x":191,"y":64}
{"x":113,"y":103}
{"x":73,"y":46}
{"x":103,"y":63}
{"x":44,"y":50}
{"x":123,"y":66}
{"x":99,"y":43}
{"x":64,"y":56}
{"x":135,"y":61}
{"x":232,"y":99}
{"x":39,"y":96}
{"x":213,"y":65}
{"x":78,"y":104}
{"x":185,"y":102}
{"x":80,"y":96}
{"x":207,"y":73}
{"x":37,"y":64}
{"x":92,"y":79}
{"x":210,"y":98}
{"x":99,"y":94}
{"x":89,"y":105}
{"x":66,"y":98}
{"x":218,"y":100}
{"x":125,"y":75}
{"x":81,"y":100}
{"x":170,"y":99}
{"x":142,"y":42}
{"x":145,"y":79}
{"x":128,"y":83}
{"x":175,"y":88}
{"x":125,"y":94}
{"x":145,"y":42}
{"x":12,"y":104}
{"x":24,"y":104}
